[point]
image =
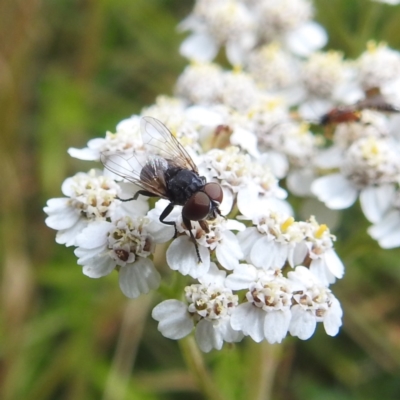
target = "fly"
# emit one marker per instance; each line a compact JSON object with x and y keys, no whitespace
{"x":166,"y":170}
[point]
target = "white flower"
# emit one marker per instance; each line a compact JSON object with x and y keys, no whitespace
{"x":218,"y":23}
{"x":272,"y":67}
{"x":182,"y":255}
{"x":238,"y":91}
{"x":289,"y":22}
{"x":266,"y":314}
{"x":126,"y":139}
{"x":200,"y":83}
{"x":368,"y":162}
{"x":91,"y":197}
{"x":323,"y":73}
{"x":209,"y":307}
{"x":313,"y":303}
{"x":378,"y":66}
{"x":124,"y":244}
{"x":272,"y":242}
{"x":246,"y":179}
{"x":325,"y":264}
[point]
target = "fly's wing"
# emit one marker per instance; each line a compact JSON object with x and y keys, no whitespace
{"x":377,"y":103}
{"x":158,"y":140}
{"x":146,"y":172}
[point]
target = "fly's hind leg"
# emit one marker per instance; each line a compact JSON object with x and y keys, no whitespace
{"x":189,"y":228}
{"x":139,"y":192}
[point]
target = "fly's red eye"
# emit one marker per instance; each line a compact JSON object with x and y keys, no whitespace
{"x":214,"y":191}
{"x":197,"y":207}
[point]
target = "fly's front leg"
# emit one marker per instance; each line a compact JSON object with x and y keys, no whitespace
{"x":189,"y":228}
{"x":165,"y":214}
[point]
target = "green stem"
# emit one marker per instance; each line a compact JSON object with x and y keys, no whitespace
{"x":195,"y":362}
{"x":263,"y":359}
{"x":132,"y":328}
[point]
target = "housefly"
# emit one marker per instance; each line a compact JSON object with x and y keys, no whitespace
{"x":165,"y":169}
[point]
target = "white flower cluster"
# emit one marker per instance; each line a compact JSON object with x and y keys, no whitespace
{"x":257,"y":271}
{"x":273,"y":305}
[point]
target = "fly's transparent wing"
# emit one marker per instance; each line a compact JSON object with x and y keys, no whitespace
{"x":146,"y":172}
{"x":377,"y":103}
{"x":158,"y":140}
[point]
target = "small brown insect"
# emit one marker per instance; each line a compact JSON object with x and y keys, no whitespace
{"x":167,"y":171}
{"x":340,"y":115}
{"x":374,"y":100}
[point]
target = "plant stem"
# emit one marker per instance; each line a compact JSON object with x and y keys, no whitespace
{"x":132,"y":326}
{"x":263,"y":360}
{"x":195,"y":362}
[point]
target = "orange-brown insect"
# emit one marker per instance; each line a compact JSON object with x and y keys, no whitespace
{"x":373,"y":101}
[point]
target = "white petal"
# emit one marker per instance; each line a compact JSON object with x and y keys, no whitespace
{"x":234,"y":225}
{"x":307,"y":39}
{"x":246,"y":140}
{"x":299,"y":181}
{"x":302,"y":324}
{"x":214,"y":276}
{"x":319,"y":268}
{"x":247,"y":238}
{"x":63,"y":218}
{"x":94,"y":235}
{"x":387,"y":231}
{"x":139,"y":277}
{"x":199,"y":47}
{"x":227,"y":333}
{"x":334,"y":263}
{"x":84,"y":154}
{"x":243,"y":276}
{"x":375,"y":201}
{"x":278,"y":163}
{"x":227,"y":201}
{"x":160,"y":232}
{"x":276,"y":325}
{"x":207,"y":337}
{"x":86,"y":256}
{"x":268,"y":254}
{"x":333,"y":319}
{"x":335,"y":191}
{"x":332,"y":157}
{"x":68,"y":236}
{"x":54,"y":206}
{"x":247,"y":201}
{"x":175,"y":321}
{"x":228,"y":251}
{"x":250,"y":320}
{"x":101,"y":266}
{"x":298,"y":255}
{"x":182,"y":257}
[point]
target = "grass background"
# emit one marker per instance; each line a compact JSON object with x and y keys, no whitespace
{"x":69,"y":71}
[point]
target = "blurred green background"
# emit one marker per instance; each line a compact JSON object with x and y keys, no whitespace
{"x":69,"y":71}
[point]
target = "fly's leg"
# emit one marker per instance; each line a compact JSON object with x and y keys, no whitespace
{"x":189,"y":228}
{"x":139,"y":192}
{"x":165,"y":214}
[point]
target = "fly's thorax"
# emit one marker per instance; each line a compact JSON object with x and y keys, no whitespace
{"x":182,"y":184}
